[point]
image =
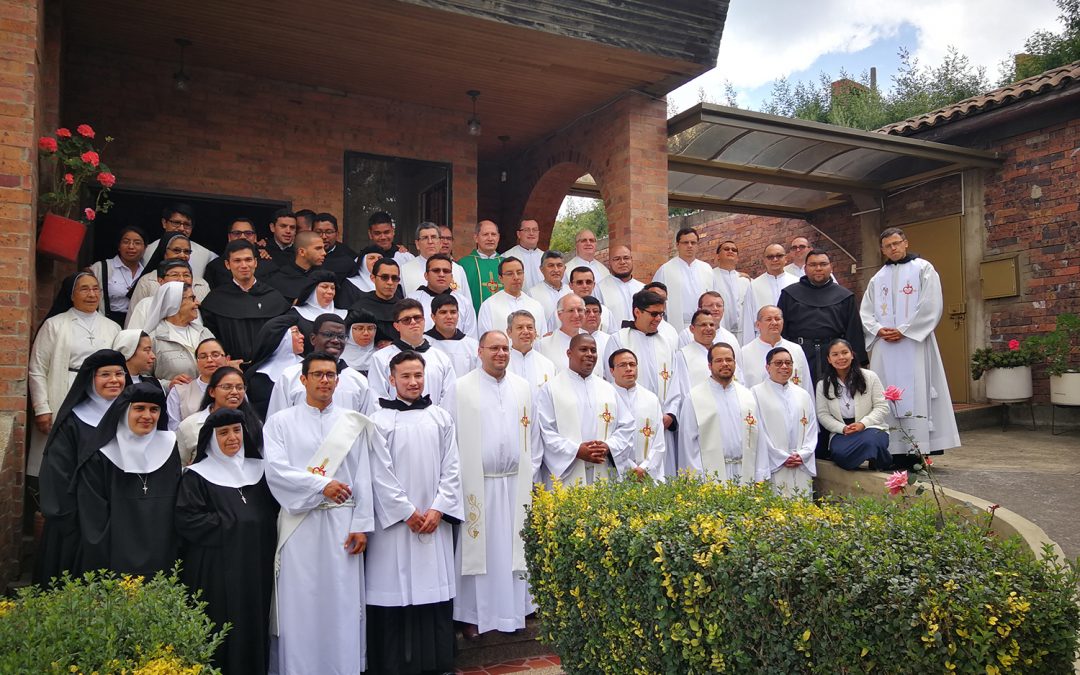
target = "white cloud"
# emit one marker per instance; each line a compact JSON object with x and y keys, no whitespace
{"x":765,"y":40}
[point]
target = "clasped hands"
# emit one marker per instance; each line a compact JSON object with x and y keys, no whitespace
{"x":794,"y":461}
{"x":594,"y":452}
{"x":890,"y":335}
{"x":424,"y":523}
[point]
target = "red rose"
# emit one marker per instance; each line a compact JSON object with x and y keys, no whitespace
{"x":85,"y":130}
{"x":90,"y":157}
{"x":63,"y":132}
{"x":89,"y":213}
{"x":106,"y":179}
{"x":69,"y":179}
{"x":1014,"y":345}
{"x":47,"y":144}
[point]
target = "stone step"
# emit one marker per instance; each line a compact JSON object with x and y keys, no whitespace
{"x":971,"y":416}
{"x":495,"y":647}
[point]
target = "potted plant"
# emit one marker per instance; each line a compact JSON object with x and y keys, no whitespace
{"x":1062,"y":367}
{"x":74,"y":166}
{"x":1008,"y":372}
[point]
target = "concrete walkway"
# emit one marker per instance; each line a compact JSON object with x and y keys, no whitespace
{"x":1032,"y":473}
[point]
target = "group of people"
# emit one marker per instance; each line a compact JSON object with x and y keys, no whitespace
{"x":340,"y":446}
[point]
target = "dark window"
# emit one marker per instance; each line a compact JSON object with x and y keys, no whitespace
{"x":410,"y":190}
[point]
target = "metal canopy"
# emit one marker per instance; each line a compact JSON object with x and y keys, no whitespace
{"x":739,"y":161}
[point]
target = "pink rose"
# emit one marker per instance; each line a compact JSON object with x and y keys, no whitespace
{"x":69,"y":179}
{"x":106,"y":179}
{"x":47,"y":144}
{"x":893,"y":393}
{"x":897,"y":482}
{"x":90,"y":157}
{"x":85,"y":130}
{"x":89,"y":213}
{"x":1014,"y":345}
{"x":63,"y":132}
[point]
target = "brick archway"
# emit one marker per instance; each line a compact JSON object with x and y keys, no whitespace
{"x":548,"y":192}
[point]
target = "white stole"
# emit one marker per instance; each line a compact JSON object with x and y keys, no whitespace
{"x":470,"y":436}
{"x":895,"y":306}
{"x":325,"y":462}
{"x":663,"y":357}
{"x":711,"y":436}
{"x":774,"y":413}
{"x":568,"y":419}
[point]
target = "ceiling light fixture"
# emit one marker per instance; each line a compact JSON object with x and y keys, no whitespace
{"x":180,"y":78}
{"x":473,"y":125}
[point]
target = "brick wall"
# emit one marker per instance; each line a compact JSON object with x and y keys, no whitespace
{"x":239,"y":135}
{"x":22,"y":34}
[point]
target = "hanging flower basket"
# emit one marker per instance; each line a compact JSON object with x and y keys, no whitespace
{"x":61,"y":238}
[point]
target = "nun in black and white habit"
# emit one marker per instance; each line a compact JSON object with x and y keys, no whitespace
{"x":100,"y":380}
{"x":280,"y":344}
{"x":227,"y":522}
{"x":127,"y":485}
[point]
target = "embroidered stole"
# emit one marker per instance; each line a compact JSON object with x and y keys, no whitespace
{"x":661,"y":357}
{"x":711,"y":423}
{"x":568,"y":418}
{"x":470,"y":435}
{"x":774,"y":414}
{"x":897,"y":290}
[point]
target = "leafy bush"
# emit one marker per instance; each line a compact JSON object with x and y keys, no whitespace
{"x":692,"y":577}
{"x":105,"y":623}
{"x":1018,"y":354}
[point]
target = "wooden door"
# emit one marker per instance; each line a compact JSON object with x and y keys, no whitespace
{"x":939,"y":242}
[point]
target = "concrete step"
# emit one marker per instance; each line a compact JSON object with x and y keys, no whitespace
{"x":1062,"y":419}
{"x":495,"y":647}
{"x":970,"y":416}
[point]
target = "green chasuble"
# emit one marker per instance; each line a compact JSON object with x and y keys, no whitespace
{"x":483,"y":276}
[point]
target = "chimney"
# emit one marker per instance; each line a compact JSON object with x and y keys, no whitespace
{"x":873,"y":78}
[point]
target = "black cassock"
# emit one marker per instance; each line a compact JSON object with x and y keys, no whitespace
{"x":59,"y":551}
{"x":235,"y":317}
{"x":228,"y":544}
{"x":382,"y":310}
{"x":814,"y":316}
{"x":126,"y":519}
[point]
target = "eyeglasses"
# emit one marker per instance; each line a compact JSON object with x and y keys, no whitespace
{"x":625,"y":364}
{"x":798,"y":247}
{"x":324,"y":230}
{"x":655,"y":315}
{"x":389,"y":277}
{"x":440,"y":270}
{"x":782,"y":364}
{"x":210,"y":355}
{"x":575,"y":310}
{"x":328,"y":376}
{"x":179,"y":251}
{"x":411,"y":319}
{"x":429,"y":237}
{"x":179,"y":223}
{"x":89,"y":290}
{"x":230,"y":387}
{"x":331,"y":336}
{"x":774,"y":256}
{"x":131,"y":242}
{"x":818,"y":264}
{"x":242,"y":233}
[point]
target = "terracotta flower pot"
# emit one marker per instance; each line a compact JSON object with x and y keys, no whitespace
{"x":1008,"y":384}
{"x":61,"y":238}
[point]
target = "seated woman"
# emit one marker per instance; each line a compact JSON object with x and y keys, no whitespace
{"x":851,"y":406}
{"x":173,"y":325}
{"x":138,"y":349}
{"x":280,"y":345}
{"x":73,"y":330}
{"x":227,"y":522}
{"x":119,"y":273}
{"x":127,"y":484}
{"x":100,"y":380}
{"x":225,"y":390}
{"x":316,"y":299}
{"x":185,"y":397}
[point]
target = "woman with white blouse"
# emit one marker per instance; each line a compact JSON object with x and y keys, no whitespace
{"x":851,"y":406}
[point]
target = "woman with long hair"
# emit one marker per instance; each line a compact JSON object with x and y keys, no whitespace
{"x":851,"y":406}
{"x":226,"y":389}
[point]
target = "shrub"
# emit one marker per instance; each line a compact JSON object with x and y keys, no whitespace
{"x":106,"y":623}
{"x":692,"y":577}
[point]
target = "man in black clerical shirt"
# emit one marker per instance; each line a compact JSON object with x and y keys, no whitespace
{"x":242,"y":228}
{"x":236,"y":311}
{"x":292,"y":276}
{"x":283,"y":232}
{"x":817,"y":310}
{"x":340,"y":259}
{"x":386,"y":276}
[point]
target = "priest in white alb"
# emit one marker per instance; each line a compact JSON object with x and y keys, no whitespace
{"x":619,"y":287}
{"x":571,"y":316}
{"x":445,"y":336}
{"x":438,"y":371}
{"x":647,"y":457}
{"x":686,"y":278}
{"x":414,"y":271}
{"x":551,"y":286}
{"x":316,"y":458}
{"x":732,"y":285}
{"x":438,"y":281}
{"x":719,"y":429}
{"x":769,"y":324}
{"x":493,"y":312}
{"x":713,"y":303}
{"x":498,"y":441}
{"x":901,"y":308}
{"x":411,"y":577}
{"x":525,"y":360}
{"x":585,"y":250}
{"x":528,"y":250}
{"x":692,"y":360}
{"x":765,"y":289}
{"x":789,"y":425}
{"x":585,"y":430}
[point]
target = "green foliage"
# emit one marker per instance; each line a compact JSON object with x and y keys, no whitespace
{"x":916,"y":89}
{"x":692,"y":577}
{"x":1016,"y":354}
{"x":106,"y":623}
{"x":1045,"y":50}
{"x":1057,"y":346}
{"x":592,"y":217}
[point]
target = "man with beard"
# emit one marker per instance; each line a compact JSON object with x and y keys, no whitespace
{"x":292,"y":277}
{"x":340,"y":259}
{"x":236,"y":311}
{"x":619,"y":287}
{"x":551,"y":288}
{"x":352,"y":393}
{"x":817,"y":310}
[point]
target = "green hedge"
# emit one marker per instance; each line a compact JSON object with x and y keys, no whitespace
{"x":690,"y":577}
{"x":104,"y":623}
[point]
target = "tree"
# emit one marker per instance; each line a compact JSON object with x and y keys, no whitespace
{"x":590,"y":215}
{"x":1045,"y":50}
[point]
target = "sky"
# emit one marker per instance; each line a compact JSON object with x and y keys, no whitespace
{"x":767,"y":39}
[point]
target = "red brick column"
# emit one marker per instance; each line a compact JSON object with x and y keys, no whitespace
{"x":21,"y":33}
